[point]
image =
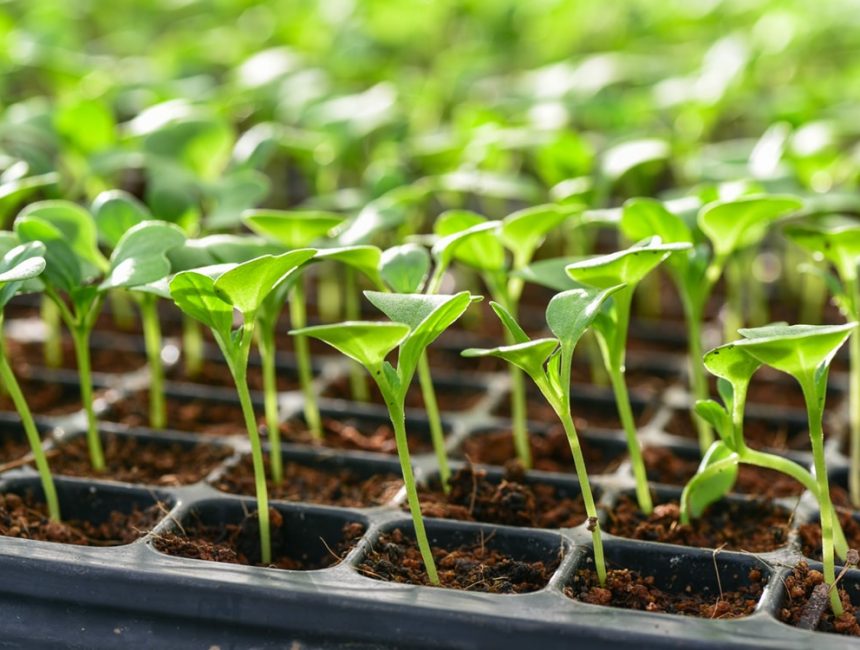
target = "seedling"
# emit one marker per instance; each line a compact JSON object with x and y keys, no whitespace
{"x":626,"y":268}
{"x":548,"y":362}
{"x":210,"y":295}
{"x":416,"y":321}
{"x":731,"y":226}
{"x":18,"y":268}
{"x":839,"y":245}
{"x":74,"y":263}
{"x":805,"y":353}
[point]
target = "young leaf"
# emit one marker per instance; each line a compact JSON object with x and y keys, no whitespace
{"x":469,"y":238}
{"x":549,"y":273}
{"x":711,"y":487}
{"x":624,"y":267}
{"x":63,"y":269}
{"x":570,"y":313}
{"x":75,"y":223}
{"x":732,"y":363}
{"x":795,"y":349}
{"x":838,"y":245}
{"x":115,"y":213}
{"x":194,"y":293}
{"x":140,"y":256}
{"x":366,"y":259}
{"x":405,"y":268}
{"x":715,"y":415}
{"x":293,"y":229}
{"x":530,"y":356}
{"x":367,"y":342}
{"x":642,"y":218}
{"x":738,"y":223}
{"x":524,"y":231}
{"x":18,"y":265}
{"x":517,"y":333}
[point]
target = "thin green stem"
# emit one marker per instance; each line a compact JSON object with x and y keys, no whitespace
{"x":357,"y":383}
{"x":734,"y":315}
{"x":122,"y":309}
{"x":432,"y":409}
{"x":7,"y":376}
{"x":81,"y":339}
{"x":854,"y":417}
{"x":192,"y":346}
{"x":52,"y":347}
{"x":298,"y":319}
{"x":698,"y":379}
{"x":152,"y":341}
{"x":625,"y":413}
{"x":266,"y":347}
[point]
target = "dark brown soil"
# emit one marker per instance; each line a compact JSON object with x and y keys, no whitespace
{"x":336,"y":486}
{"x":798,"y":589}
{"x":759,"y":434}
{"x":509,"y":502}
{"x":12,"y":447}
{"x":141,"y":461}
{"x":587,"y":414}
{"x":114,"y":360}
{"x":45,"y":397}
{"x":183,"y":414}
{"x":810,"y":535}
{"x":240,"y":544}
{"x":471,"y":567}
{"x":214,"y":373}
{"x":458,"y":399}
{"x":349,"y":435}
{"x":665,"y":466}
{"x":754,"y":526}
{"x":550,"y":451}
{"x":25,"y":518}
{"x":630,"y":590}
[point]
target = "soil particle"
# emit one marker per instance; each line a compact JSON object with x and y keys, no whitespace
{"x":214,"y":373}
{"x":115,"y":359}
{"x":510,"y":501}
{"x":25,"y":518}
{"x":127,"y":459}
{"x":208,"y":417}
{"x":337,"y":486}
{"x":758,"y":433}
{"x":799,"y":588}
{"x":453,"y":399}
{"x":753,"y":526}
{"x":550,"y":451}
{"x":474,"y":566}
{"x":587,"y":413}
{"x":810,"y":535}
{"x":631,"y":590}
{"x":45,"y":397}
{"x":240,"y":544}
{"x":347,"y":434}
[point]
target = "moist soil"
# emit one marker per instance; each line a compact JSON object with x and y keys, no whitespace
{"x":378,"y":438}
{"x":26,"y":518}
{"x":550,"y":451}
{"x":240,"y":544}
{"x":587,"y":413}
{"x":510,"y":501}
{"x":631,"y":590}
{"x":127,"y":459}
{"x":758,"y":433}
{"x":457,"y":399}
{"x":335,"y":486}
{"x":753,"y":526}
{"x":107,"y":360}
{"x":45,"y":397}
{"x":12,"y":447}
{"x":190,"y":414}
{"x":664,"y":466}
{"x":470,"y":567}
{"x":214,"y":373}
{"x":810,"y":535}
{"x":799,"y":586}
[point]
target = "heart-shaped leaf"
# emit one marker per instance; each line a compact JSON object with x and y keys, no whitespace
{"x":570,"y":313}
{"x":140,"y":256}
{"x":739,"y":223}
{"x":405,"y":268}
{"x":367,"y":342}
{"x":293,"y":229}
{"x":115,"y":213}
{"x":194,"y":293}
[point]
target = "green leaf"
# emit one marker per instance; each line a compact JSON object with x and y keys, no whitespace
{"x":18,"y":265}
{"x":549,"y":273}
{"x":75,"y":223}
{"x":732,"y":363}
{"x":715,"y":415}
{"x":63,"y":270}
{"x":625,"y":156}
{"x":15,"y":191}
{"x":194,"y":293}
{"x":530,"y":356}
{"x":246,"y":285}
{"x":469,"y":238}
{"x":140,"y":256}
{"x":405,"y":268}
{"x":116,"y":212}
{"x":708,"y":491}
{"x":839,"y":245}
{"x":624,"y":267}
{"x":233,"y":194}
{"x":524,"y":231}
{"x":739,"y":223}
{"x":367,"y":342}
{"x":293,"y":229}
{"x":642,"y":218}
{"x":87,"y":123}
{"x":219,"y":249}
{"x":517,"y":332}
{"x":366,"y":259}
{"x":570,"y":313}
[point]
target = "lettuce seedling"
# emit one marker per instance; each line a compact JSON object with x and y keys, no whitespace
{"x":73,"y":266}
{"x":805,"y":352}
{"x":548,"y":362}
{"x":416,"y":320}
{"x":18,"y":266}
{"x":210,"y":295}
{"x":626,"y":268}
{"x":730,"y":226}
{"x":839,"y":245}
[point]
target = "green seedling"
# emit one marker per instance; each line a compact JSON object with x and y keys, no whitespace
{"x":74,"y":265}
{"x":416,"y":320}
{"x":805,"y":352}
{"x":19,"y":266}
{"x":839,"y":245}
{"x":730,"y":226}
{"x":480,"y":244}
{"x":548,"y":362}
{"x":627,"y":268}
{"x":211,"y":295}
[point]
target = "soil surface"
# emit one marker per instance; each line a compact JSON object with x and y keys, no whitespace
{"x":132,"y":460}
{"x":336,"y":486}
{"x":108,"y":360}
{"x":240,"y":544}
{"x":754,"y":526}
{"x":215,"y":373}
{"x":550,"y":451}
{"x":810,"y":535}
{"x":799,"y":587}
{"x":758,"y":433}
{"x":45,"y":397}
{"x":587,"y":413}
{"x":377,"y":438}
{"x":12,"y":447}
{"x":454,"y":399}
{"x":471,"y":567}
{"x":204,"y":416}
{"x":665,"y":466}
{"x":630,"y":590}
{"x":28,"y":519}
{"x":510,"y":501}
